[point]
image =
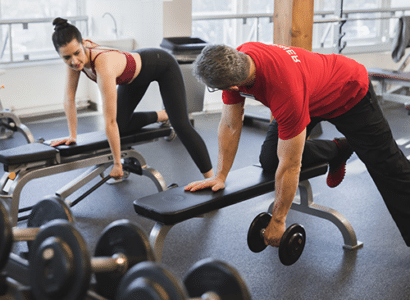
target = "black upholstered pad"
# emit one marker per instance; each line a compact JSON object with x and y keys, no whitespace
{"x":27,"y":153}
{"x":85,"y":143}
{"x":390,"y":74}
{"x":92,"y":141}
{"x":175,"y":205}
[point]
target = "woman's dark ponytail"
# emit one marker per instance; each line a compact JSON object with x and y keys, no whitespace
{"x":64,"y":33}
{"x":60,"y":23}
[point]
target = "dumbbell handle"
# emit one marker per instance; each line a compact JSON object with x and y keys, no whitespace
{"x":102,"y":264}
{"x":116,"y":263}
{"x":25,"y":234}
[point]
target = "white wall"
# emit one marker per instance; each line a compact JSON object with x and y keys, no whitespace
{"x":377,"y":60}
{"x":146,"y":21}
{"x":139,"y":19}
{"x":177,"y":18}
{"x":32,"y":89}
{"x":38,"y":88}
{"x":35,"y":88}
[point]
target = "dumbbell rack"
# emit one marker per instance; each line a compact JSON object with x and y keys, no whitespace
{"x":9,"y":122}
{"x":18,"y":283}
{"x":21,"y":278}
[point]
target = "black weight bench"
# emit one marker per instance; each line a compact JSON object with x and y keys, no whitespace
{"x":36,"y":160}
{"x":174,"y":205}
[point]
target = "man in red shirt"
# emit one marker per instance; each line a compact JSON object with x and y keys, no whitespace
{"x":302,"y":88}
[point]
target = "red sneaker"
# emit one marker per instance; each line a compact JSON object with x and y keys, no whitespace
{"x":337,"y":167}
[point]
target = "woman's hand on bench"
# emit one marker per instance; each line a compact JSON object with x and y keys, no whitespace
{"x":215,"y":183}
{"x":67,"y":141}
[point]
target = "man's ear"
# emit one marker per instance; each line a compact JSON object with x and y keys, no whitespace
{"x":234,"y":88}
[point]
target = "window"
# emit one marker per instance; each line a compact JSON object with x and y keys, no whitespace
{"x":217,"y":22}
{"x":26,"y":29}
{"x":368,"y":27}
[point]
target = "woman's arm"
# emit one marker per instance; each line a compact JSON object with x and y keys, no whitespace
{"x":69,"y":101}
{"x":108,"y":67}
{"x":70,"y":107}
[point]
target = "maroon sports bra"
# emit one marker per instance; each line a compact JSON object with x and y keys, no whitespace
{"x":128,"y":73}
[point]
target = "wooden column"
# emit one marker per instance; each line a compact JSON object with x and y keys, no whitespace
{"x":293,"y":23}
{"x":293,"y":26}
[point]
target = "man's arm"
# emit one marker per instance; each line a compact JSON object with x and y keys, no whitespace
{"x":286,"y":183}
{"x":229,"y":132}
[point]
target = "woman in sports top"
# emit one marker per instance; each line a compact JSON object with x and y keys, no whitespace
{"x":133,"y":73}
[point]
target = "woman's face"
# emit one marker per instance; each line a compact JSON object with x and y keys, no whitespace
{"x":74,"y":55}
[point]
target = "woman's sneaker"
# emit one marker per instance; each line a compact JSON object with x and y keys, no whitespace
{"x":172,"y":135}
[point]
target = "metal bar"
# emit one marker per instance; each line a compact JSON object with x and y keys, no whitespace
{"x":25,"y":234}
{"x":334,"y":20}
{"x":307,"y":206}
{"x":257,"y":29}
{"x":81,"y":180}
{"x":17,"y":268}
{"x":39,"y":20}
{"x":25,"y":23}
{"x":11,"y":44}
{"x":201,"y":17}
{"x":320,"y":21}
{"x":4,"y":48}
{"x":325,"y":34}
{"x":157,"y":238}
{"x":231,"y":16}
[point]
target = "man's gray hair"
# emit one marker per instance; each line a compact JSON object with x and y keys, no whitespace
{"x":220,"y":66}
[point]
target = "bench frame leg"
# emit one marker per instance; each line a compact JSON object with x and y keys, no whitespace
{"x":100,"y":162}
{"x":157,"y":238}
{"x":6,"y":133}
{"x":307,"y":206}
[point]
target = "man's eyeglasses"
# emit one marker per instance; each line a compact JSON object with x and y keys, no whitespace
{"x":211,"y":90}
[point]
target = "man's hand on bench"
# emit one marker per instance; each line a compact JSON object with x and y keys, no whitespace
{"x":67,"y":141}
{"x":215,"y":183}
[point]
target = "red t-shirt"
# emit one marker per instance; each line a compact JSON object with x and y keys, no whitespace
{"x":297,"y":84}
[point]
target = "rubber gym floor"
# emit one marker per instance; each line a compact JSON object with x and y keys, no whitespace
{"x":380,"y":270}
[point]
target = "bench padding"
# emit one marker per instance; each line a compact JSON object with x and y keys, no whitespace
{"x":27,"y":153}
{"x":175,"y":205}
{"x":389,"y":74}
{"x":86,"y":142}
{"x":93,"y":141}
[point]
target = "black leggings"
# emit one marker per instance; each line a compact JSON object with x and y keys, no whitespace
{"x":158,"y":65}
